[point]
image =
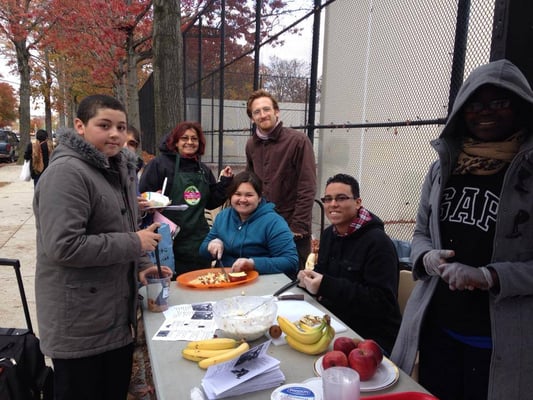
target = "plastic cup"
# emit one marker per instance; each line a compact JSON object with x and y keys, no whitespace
{"x":157,"y":292}
{"x":340,"y":383}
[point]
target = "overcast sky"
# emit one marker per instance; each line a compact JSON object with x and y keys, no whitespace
{"x":5,"y":75}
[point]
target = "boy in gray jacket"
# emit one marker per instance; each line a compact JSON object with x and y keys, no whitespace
{"x":89,"y":254}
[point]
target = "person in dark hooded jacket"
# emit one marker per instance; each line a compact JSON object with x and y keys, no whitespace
{"x":190,"y":182}
{"x":357,"y":273}
{"x":469,"y":317}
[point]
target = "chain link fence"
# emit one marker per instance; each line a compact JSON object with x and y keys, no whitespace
{"x":387,"y":74}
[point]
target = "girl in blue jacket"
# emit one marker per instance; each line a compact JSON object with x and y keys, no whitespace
{"x":250,"y":234}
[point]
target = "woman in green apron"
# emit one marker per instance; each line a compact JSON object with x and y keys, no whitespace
{"x":190,"y":182}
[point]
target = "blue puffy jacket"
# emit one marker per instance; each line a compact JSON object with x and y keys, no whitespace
{"x":264,"y":236}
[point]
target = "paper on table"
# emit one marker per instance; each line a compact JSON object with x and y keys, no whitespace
{"x":252,"y":371}
{"x":187,"y":322}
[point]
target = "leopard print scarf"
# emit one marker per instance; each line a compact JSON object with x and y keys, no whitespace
{"x":486,"y":158}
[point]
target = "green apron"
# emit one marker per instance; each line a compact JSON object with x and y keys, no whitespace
{"x":191,"y":188}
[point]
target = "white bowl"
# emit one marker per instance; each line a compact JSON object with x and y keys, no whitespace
{"x":232,"y":318}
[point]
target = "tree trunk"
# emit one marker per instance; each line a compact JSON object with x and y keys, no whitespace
{"x":132,"y":91}
{"x":62,"y":96}
{"x":23,"y":64}
{"x":168,"y":67}
{"x":47,"y":95}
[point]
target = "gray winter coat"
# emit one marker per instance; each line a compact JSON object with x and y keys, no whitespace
{"x":511,"y":308}
{"x":86,"y":214}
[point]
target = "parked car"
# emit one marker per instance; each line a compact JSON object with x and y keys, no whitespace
{"x":8,"y":146}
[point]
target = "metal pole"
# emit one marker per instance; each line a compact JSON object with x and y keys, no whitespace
{"x":459,"y":50}
{"x":314,"y":71}
{"x":221,"y":85}
{"x":257,"y":43}
{"x":185,"y":48}
{"x":200,"y":64}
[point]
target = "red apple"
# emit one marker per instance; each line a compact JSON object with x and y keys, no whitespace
{"x":370,"y":344}
{"x":334,"y":358}
{"x":344,"y":344}
{"x":364,"y":362}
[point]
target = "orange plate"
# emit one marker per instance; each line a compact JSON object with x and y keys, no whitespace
{"x":186,"y":278}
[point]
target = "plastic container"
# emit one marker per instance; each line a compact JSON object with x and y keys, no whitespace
{"x":245,"y":317}
{"x":296,"y":391}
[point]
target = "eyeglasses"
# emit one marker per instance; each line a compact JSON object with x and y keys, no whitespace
{"x":257,"y":112}
{"x":341,"y":198}
{"x":193,"y":139}
{"x":132,"y":143}
{"x":494,"y":105}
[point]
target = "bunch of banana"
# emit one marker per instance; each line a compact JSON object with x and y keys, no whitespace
{"x":213,"y":351}
{"x":308,"y":339}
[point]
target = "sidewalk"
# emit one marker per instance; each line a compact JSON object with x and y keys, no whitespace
{"x":17,"y":240}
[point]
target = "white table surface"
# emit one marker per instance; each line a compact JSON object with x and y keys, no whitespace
{"x":174,"y":377}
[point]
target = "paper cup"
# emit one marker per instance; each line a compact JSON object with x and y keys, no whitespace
{"x":157,"y":292}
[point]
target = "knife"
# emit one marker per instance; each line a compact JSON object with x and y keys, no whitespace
{"x":222,"y":269}
{"x":286,"y":287}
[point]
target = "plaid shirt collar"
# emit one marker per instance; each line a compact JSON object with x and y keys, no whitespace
{"x":359,"y":220}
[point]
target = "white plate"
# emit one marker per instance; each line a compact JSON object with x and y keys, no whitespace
{"x":386,"y":375}
{"x":176,"y":207}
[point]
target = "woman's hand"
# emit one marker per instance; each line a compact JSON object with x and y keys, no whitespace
{"x":464,"y":277}
{"x":243,"y":264}
{"x":433,"y":258}
{"x":152,"y":271}
{"x":216,"y":248}
{"x":227,"y":172}
{"x":310,"y":280}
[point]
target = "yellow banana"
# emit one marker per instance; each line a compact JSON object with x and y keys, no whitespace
{"x":213,"y":344}
{"x":306,"y":337}
{"x":191,"y":356}
{"x":229,"y":355}
{"x":316,"y":348}
{"x":200,"y":354}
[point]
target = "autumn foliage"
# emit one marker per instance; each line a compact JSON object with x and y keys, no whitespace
{"x":72,"y":48}
{"x":8,"y":105}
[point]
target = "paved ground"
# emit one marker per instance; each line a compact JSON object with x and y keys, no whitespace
{"x":17,"y":240}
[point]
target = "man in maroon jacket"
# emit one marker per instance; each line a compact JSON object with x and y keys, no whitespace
{"x":284,"y":160}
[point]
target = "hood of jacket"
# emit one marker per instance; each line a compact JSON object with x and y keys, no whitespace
{"x":163,"y":148}
{"x":71,"y":143}
{"x":503,"y":74}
